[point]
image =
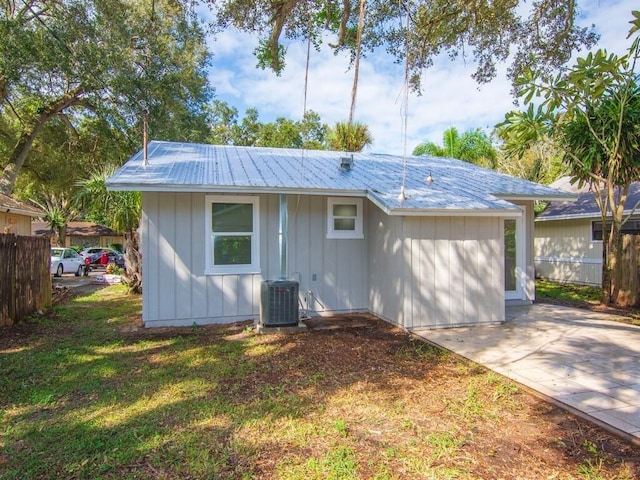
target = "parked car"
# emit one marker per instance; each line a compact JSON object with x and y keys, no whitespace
{"x":66,"y":260}
{"x":95,"y":256}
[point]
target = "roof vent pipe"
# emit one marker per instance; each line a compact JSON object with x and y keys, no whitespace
{"x":346,"y":163}
{"x":283,"y":233}
{"x":145,"y":125}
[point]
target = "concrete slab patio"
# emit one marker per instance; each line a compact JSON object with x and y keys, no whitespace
{"x":581,"y":360}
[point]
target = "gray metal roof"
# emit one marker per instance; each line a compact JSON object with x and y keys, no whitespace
{"x":585,"y":206}
{"x":458,"y":187}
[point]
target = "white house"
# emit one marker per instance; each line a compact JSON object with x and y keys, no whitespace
{"x":568,"y":235}
{"x":219,"y":220}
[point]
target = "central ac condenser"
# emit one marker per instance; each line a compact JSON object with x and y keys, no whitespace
{"x":279,"y":303}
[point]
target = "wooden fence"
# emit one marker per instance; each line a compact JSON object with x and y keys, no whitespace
{"x":629,"y":294}
{"x":25,"y":281}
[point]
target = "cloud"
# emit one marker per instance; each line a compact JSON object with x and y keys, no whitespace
{"x":450,"y":97}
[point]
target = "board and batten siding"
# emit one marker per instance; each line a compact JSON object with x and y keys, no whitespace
{"x":564,"y":252}
{"x":176,"y":292}
{"x":434,"y":272}
{"x":333,"y":273}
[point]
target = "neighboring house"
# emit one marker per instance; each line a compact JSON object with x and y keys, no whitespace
{"x":568,"y":235}
{"x":15,"y":216}
{"x":218,"y":220}
{"x":82,"y":234}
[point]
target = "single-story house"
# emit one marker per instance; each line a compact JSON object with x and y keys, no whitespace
{"x":217,"y":221}
{"x":568,"y":235}
{"x":15,"y":216}
{"x":82,"y":234}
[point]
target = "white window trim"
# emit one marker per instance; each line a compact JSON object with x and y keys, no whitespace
{"x":345,"y":234}
{"x":254,"y":267}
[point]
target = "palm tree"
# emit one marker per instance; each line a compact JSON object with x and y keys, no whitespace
{"x":472,"y":146}
{"x":349,"y":137}
{"x":122,"y":212}
{"x":58,"y":212}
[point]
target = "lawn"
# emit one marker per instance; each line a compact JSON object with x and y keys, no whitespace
{"x":582,"y":296}
{"x":87,"y":394}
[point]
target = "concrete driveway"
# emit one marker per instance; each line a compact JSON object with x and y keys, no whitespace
{"x":580,"y":360}
{"x":95,"y":280}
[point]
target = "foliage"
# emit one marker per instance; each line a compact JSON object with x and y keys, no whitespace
{"x":473,"y":146}
{"x":349,"y":137}
{"x":592,"y":111}
{"x":308,"y":133}
{"x":122,"y":211}
{"x":58,"y":211}
{"x":541,"y":161}
{"x":87,"y":63}
{"x":541,"y":33}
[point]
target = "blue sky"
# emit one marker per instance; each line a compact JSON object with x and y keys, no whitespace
{"x":449,"y":97}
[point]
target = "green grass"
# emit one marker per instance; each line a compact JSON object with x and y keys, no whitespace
{"x":567,"y":292}
{"x":85,"y":393}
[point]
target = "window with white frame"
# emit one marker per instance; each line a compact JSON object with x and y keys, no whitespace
{"x":232,"y":242}
{"x":344,"y":218}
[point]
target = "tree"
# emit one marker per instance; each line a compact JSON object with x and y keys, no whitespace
{"x":349,"y":137}
{"x":58,"y":212}
{"x":540,"y":33}
{"x":541,"y":161}
{"x":308,"y":133}
{"x":473,"y":146}
{"x":593,"y":113}
{"x":122,"y":212}
{"x":107,"y":59}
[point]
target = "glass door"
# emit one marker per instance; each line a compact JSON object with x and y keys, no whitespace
{"x":513,"y":258}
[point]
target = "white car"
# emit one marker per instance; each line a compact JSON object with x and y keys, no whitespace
{"x":66,"y":260}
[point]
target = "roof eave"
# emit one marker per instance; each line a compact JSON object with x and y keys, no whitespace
{"x":579,"y":216}
{"x":243,"y":190}
{"x":20,"y":211}
{"x":546,"y":198}
{"x":450,"y":212}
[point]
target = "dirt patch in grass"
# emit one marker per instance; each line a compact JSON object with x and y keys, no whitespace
{"x":366,"y":401}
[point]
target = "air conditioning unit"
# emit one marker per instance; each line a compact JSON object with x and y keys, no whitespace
{"x":279,"y":303}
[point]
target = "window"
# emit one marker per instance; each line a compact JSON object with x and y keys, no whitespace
{"x":630,"y":227}
{"x":344,"y":218}
{"x":232,"y":235}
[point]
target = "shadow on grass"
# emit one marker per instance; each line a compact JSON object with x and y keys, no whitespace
{"x":88,"y":394}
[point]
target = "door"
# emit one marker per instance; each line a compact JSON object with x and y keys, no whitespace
{"x":514,"y":258}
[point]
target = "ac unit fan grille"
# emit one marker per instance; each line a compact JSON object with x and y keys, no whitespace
{"x":279,"y":302}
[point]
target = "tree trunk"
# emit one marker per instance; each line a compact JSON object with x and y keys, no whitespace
{"x":615,"y":261}
{"x":29,"y":134}
{"x":132,"y":262}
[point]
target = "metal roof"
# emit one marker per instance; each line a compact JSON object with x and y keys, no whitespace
{"x":585,"y":205}
{"x":458,"y":187}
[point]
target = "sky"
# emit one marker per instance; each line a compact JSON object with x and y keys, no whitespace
{"x":450,"y":97}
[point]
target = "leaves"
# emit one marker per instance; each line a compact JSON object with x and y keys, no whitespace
{"x":349,"y":137}
{"x":592,"y":112}
{"x":105,"y":59}
{"x":542,"y":33}
{"x":472,"y":146}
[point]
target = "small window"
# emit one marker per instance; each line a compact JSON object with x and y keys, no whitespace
{"x":630,"y":227}
{"x":232,"y":235}
{"x":344,"y":218}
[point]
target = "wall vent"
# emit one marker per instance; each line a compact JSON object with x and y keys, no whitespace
{"x":279,"y":303}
